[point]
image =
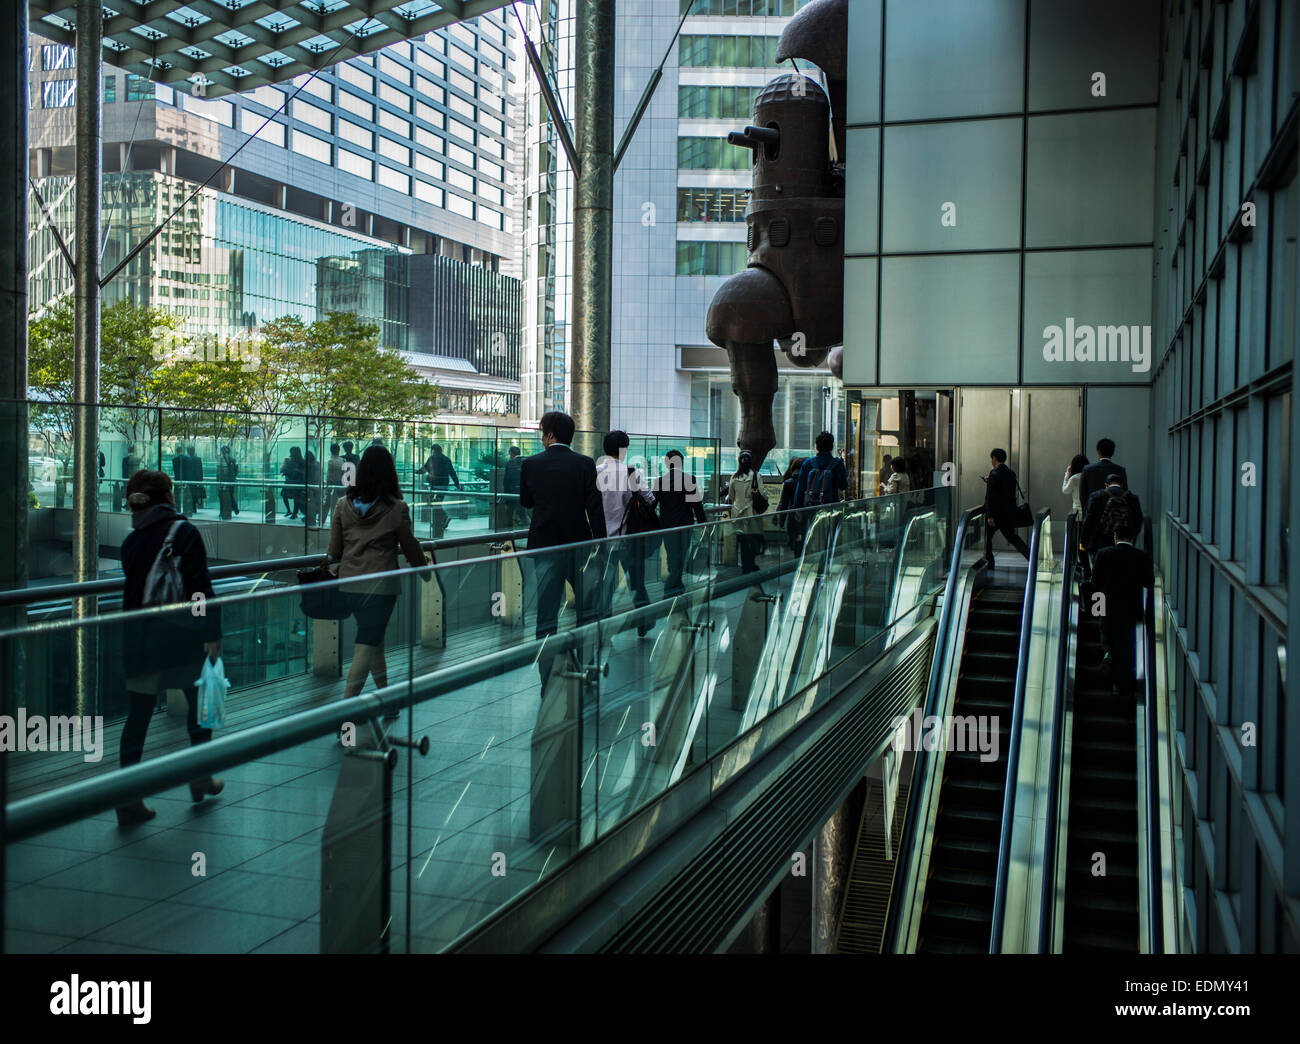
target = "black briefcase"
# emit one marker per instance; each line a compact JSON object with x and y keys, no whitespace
{"x":318,"y":600}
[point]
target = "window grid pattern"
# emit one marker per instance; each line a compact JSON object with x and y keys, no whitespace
{"x":1225,"y":316}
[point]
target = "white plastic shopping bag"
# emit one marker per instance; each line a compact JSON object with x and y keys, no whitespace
{"x":212,"y":685}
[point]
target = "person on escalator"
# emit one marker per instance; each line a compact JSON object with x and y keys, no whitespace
{"x":1000,"y":508}
{"x":1122,"y":573}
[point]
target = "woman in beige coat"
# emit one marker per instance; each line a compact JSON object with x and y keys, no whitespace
{"x":740,"y":495}
{"x":370,"y":522}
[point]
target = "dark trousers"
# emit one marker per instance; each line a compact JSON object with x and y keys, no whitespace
{"x":750,"y":543}
{"x":137,"y":723}
{"x":552,"y":569}
{"x":676,"y":543}
{"x":1011,"y":536}
{"x":1117,"y":638}
{"x":633,"y":563}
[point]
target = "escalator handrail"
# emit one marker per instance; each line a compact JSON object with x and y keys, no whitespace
{"x":1013,"y":743}
{"x":1155,"y":926}
{"x":1051,"y":838}
{"x":909,"y":841}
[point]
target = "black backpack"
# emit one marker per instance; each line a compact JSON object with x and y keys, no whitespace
{"x":821,"y":487}
{"x":1119,"y":515}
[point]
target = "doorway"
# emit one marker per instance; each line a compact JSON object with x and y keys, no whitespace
{"x":1040,"y":428}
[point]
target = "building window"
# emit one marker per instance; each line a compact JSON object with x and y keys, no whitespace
{"x":58,"y":94}
{"x":712,"y":154}
{"x":357,"y":135}
{"x":711,"y":258}
{"x":356,"y":106}
{"x":711,"y":204}
{"x":138,"y":88}
{"x":728,"y":52}
{"x":110,"y":89}
{"x":742,"y":8}
{"x":394,"y":97}
{"x":310,"y":114}
{"x":312,"y":148}
{"x":698,"y":102}
{"x":394,"y":179}
{"x":354,"y":164}
{"x":461,"y":206}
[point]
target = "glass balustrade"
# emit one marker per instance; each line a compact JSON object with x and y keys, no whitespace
{"x":535,"y":699}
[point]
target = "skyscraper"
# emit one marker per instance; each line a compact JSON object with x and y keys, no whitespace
{"x":379,"y":185}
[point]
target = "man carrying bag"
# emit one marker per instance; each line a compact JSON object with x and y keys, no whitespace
{"x":1003,"y":513}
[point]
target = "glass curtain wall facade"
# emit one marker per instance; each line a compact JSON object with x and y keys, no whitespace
{"x":548,"y":215}
{"x":1227,"y":279}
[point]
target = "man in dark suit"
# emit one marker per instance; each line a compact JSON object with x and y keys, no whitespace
{"x":560,"y":487}
{"x":1122,"y":573}
{"x":1096,"y":473}
{"x":680,"y":503}
{"x":1103,"y":508}
{"x":1000,"y":508}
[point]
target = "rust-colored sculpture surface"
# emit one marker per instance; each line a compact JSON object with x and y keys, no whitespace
{"x":792,"y":291}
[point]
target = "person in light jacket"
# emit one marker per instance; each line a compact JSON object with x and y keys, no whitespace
{"x":368,"y":525}
{"x":740,"y":495}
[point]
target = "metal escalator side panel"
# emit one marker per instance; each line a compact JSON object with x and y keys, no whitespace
{"x":907,"y":894}
{"x":785,"y":636}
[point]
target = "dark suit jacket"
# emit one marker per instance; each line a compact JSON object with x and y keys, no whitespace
{"x":560,"y":486}
{"x":1095,"y":475}
{"x":1094,"y":534}
{"x":1000,"y":495}
{"x":1121,"y":572}
{"x":678,"y":498}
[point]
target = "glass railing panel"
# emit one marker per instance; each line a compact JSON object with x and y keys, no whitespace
{"x":766,"y":616}
{"x":508,"y":791}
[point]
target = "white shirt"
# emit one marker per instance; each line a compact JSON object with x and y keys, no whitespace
{"x":1072,"y":484}
{"x":616,"y":486}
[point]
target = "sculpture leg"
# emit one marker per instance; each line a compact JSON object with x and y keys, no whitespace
{"x":753,"y":379}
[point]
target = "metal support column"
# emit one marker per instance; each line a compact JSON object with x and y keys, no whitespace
{"x":13,"y":363}
{"x":832,"y":860}
{"x":85,"y":432}
{"x":593,"y":214}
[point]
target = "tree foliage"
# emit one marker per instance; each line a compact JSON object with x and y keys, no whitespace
{"x":332,"y":368}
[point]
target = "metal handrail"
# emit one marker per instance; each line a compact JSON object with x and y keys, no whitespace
{"x":1155,"y":913}
{"x":108,"y":585}
{"x":1051,"y":839}
{"x":908,"y":845}
{"x":1013,"y":746}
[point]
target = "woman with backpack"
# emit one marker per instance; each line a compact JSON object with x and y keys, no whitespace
{"x":369,"y":523}
{"x":165,"y":562}
{"x":740,"y":495}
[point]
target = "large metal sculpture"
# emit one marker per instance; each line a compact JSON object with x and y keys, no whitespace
{"x":792,"y":291}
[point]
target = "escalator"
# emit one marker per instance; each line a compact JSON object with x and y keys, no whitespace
{"x":1101,"y":883}
{"x":961,"y":884}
